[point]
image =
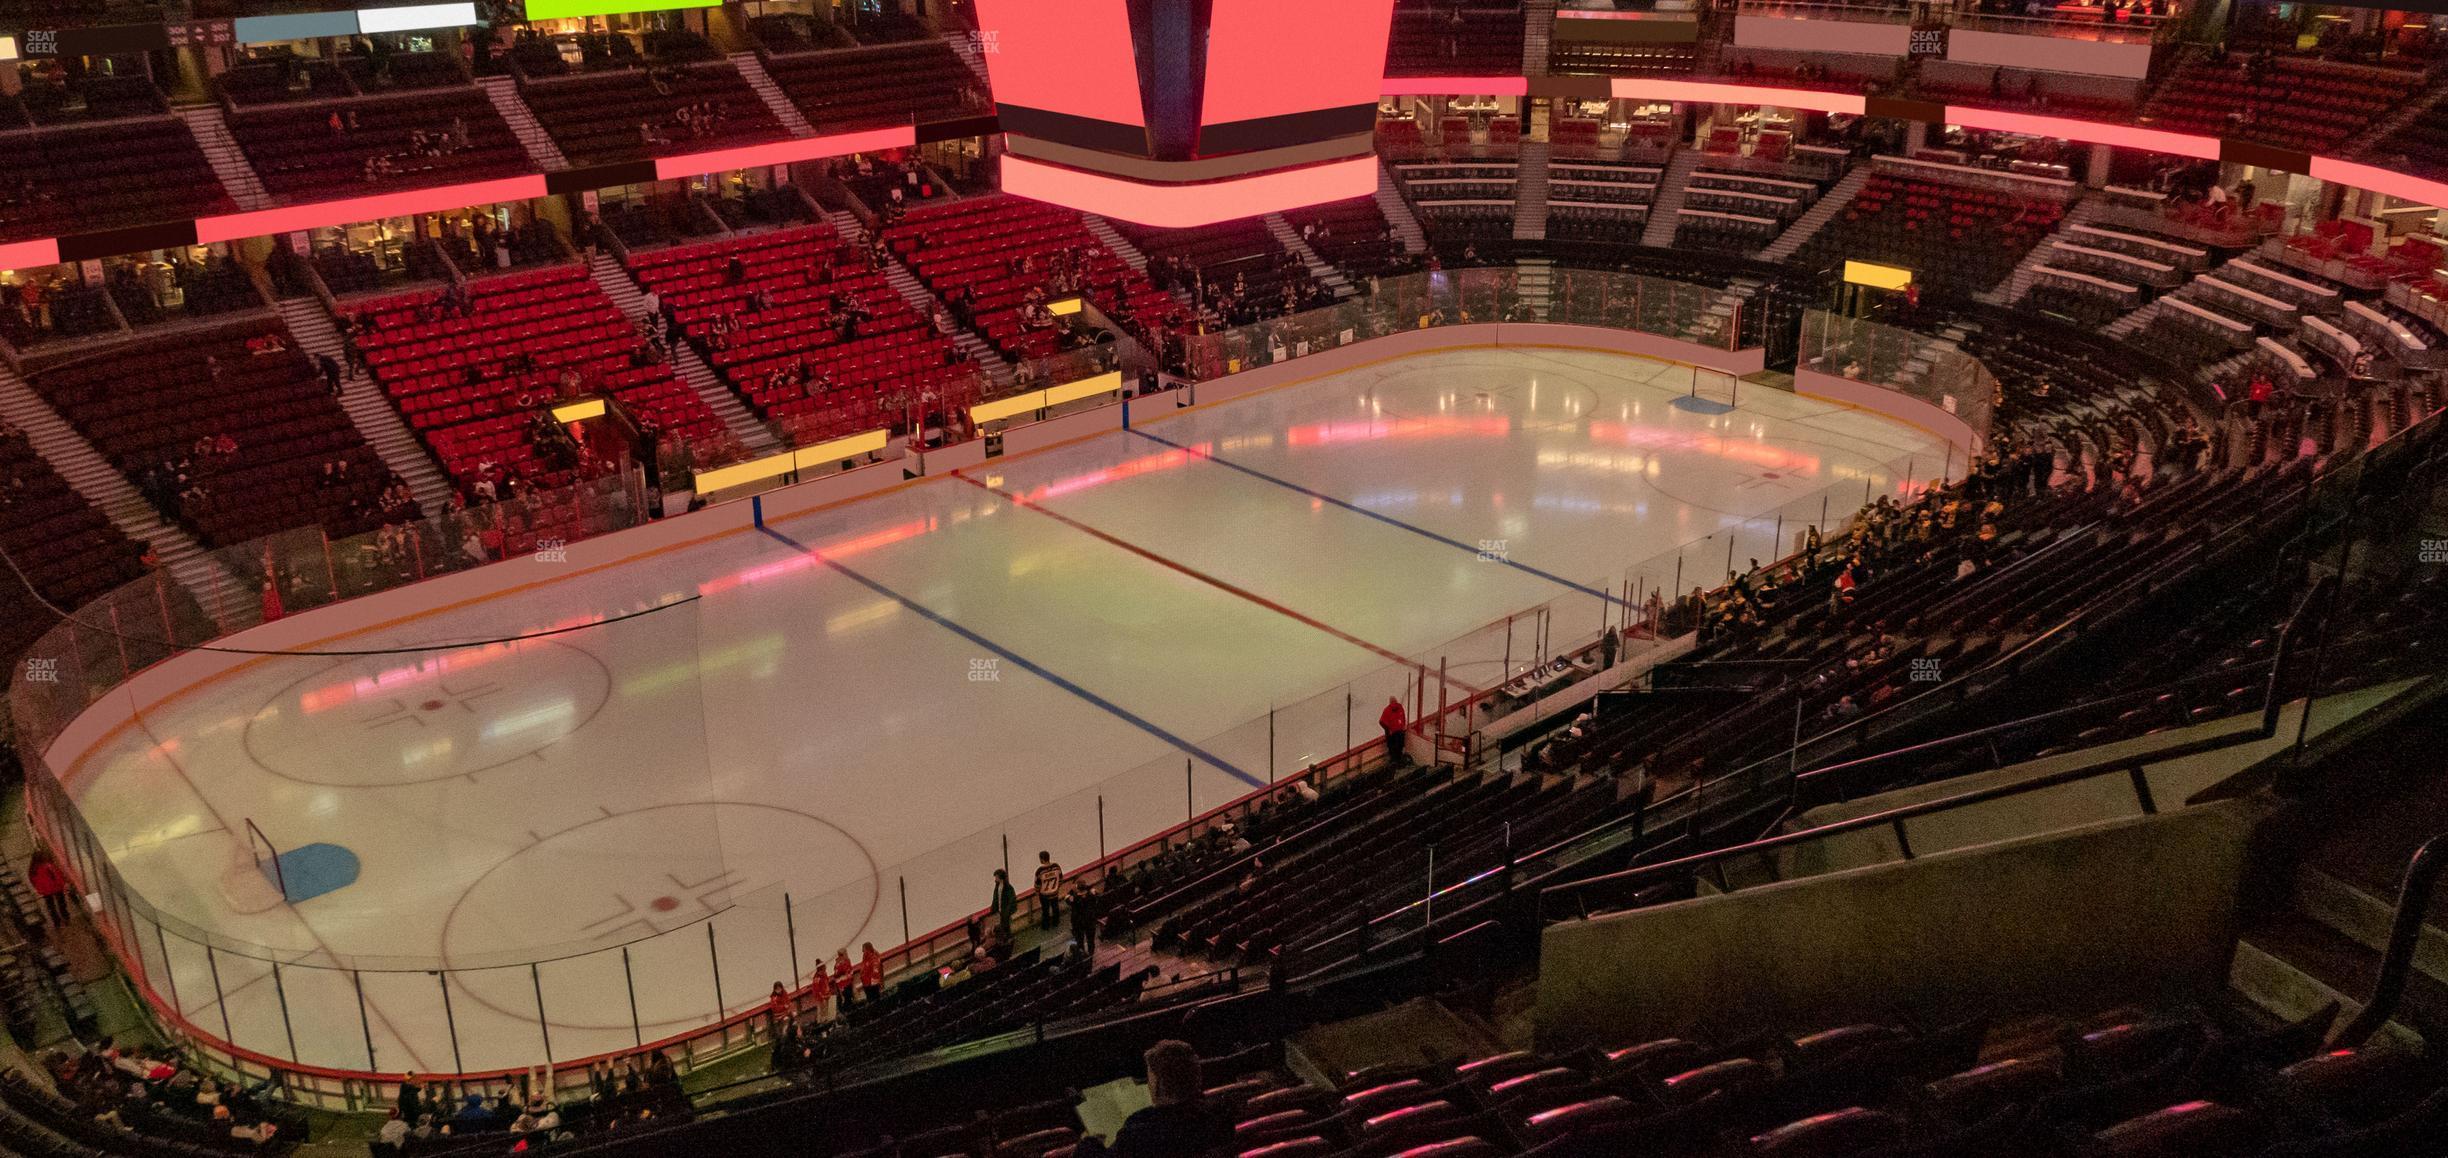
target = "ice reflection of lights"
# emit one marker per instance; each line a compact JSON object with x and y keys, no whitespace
{"x":1600,"y":461}
{"x":435,"y":751}
{"x":550,"y":715}
{"x":858,"y":617}
{"x":1331,"y":433}
{"x":763,"y":650}
{"x":1715,"y":446}
{"x":1127,"y":468}
{"x":801,"y":561}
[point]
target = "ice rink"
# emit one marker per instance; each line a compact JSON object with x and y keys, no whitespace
{"x":1069,"y":650}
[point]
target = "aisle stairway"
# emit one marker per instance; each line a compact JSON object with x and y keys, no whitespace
{"x":1323,"y":271}
{"x":2325,"y":942}
{"x":1398,"y":211}
{"x":753,"y":71}
{"x":1535,"y":281}
{"x":613,"y":278}
{"x":503,"y":92}
{"x":228,"y":162}
{"x":363,"y":400}
{"x":1666,"y":212}
{"x":981,"y":353}
{"x":1113,"y":239}
{"x":1538,"y":29}
{"x":1816,"y":218}
{"x":1530,"y":193}
{"x":2025,"y":272}
{"x":93,"y":476}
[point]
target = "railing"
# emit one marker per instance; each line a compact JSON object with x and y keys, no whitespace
{"x":1620,"y":890}
{"x":2151,"y":30}
{"x":1705,"y":317}
{"x":2422,"y":876}
{"x":275,"y":1012}
{"x":1923,"y":368}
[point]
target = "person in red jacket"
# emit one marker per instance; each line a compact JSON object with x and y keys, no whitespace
{"x":845,"y":977}
{"x":1393,"y":721}
{"x":820,"y":995}
{"x":51,"y":885}
{"x":870,"y":971}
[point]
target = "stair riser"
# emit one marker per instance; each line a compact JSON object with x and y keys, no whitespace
{"x":2366,"y":919}
{"x":2290,"y":995}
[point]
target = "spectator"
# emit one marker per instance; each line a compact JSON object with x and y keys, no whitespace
{"x":870,"y":972}
{"x":1178,"y":1122}
{"x":845,"y":978}
{"x":1049,"y":890}
{"x":1006,"y":903}
{"x":51,"y":885}
{"x":1393,"y":721}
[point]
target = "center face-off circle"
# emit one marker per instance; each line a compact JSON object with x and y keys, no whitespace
{"x":652,"y":880}
{"x":427,"y":717}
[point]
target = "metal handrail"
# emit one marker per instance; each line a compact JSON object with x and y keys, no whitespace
{"x":2414,"y":892}
{"x":2266,"y":727}
{"x":2129,"y":765}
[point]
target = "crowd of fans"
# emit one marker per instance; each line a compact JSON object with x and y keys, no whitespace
{"x":152,"y":1092}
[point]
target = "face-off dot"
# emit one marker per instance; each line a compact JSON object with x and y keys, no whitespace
{"x":666,"y":904}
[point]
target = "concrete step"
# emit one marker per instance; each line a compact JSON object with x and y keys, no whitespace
{"x":981,"y":352}
{"x":2365,"y":918}
{"x":753,"y":71}
{"x":2290,"y":965}
{"x":1666,"y":210}
{"x":1398,"y":211}
{"x":1818,"y":215}
{"x":369,"y":409}
{"x":503,"y":92}
{"x":613,"y":278}
{"x":93,"y":476}
{"x":228,"y":161}
{"x":1319,"y":268}
{"x":1113,"y":240}
{"x":1530,"y":190}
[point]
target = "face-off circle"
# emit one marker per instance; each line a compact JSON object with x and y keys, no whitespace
{"x":416,"y":719}
{"x":652,"y":880}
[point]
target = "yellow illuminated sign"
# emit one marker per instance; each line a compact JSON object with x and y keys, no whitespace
{"x":570,"y":412}
{"x":776,"y":465}
{"x":1886,"y":277}
{"x":1013,"y":406}
{"x":1105,"y":383}
{"x":1036,"y":400}
{"x":1064,"y":308}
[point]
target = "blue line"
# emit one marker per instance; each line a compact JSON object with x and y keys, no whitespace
{"x":1124,"y":714}
{"x":1386,"y":519}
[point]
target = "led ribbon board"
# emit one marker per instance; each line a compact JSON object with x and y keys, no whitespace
{"x":1178,"y":113}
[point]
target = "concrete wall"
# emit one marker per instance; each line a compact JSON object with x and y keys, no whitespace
{"x":2173,"y":784}
{"x":2126,"y":910}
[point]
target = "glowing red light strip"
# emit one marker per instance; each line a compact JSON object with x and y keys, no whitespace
{"x":27,"y":254}
{"x":2089,"y":132}
{"x":785,"y":152}
{"x":1182,"y":206}
{"x":291,"y":218}
{"x":2413,"y":189}
{"x":1703,"y":92}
